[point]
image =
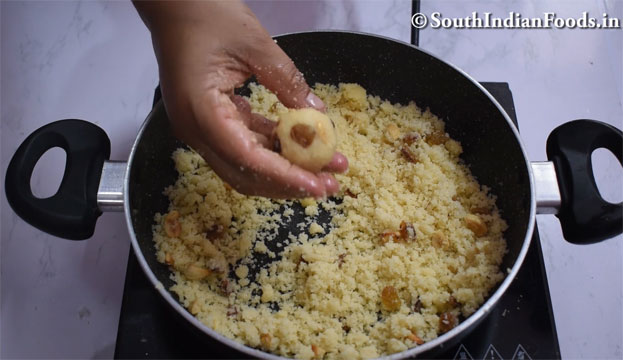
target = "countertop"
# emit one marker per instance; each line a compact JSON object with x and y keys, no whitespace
{"x":94,"y":61}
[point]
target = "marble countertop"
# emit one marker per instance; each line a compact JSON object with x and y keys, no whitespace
{"x":94,"y":61}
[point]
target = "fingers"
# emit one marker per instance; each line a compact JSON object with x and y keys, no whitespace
{"x":290,"y":179}
{"x":255,"y":122}
{"x":241,"y":103}
{"x":295,"y":183}
{"x":275,"y":70}
{"x":332,"y":186}
{"x":234,"y":153}
{"x":338,"y":164}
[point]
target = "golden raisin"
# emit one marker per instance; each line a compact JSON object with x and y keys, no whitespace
{"x":318,"y":351}
{"x":476,"y":225}
{"x":407,"y":231}
{"x":408,"y":154}
{"x":447,"y":322}
{"x":194,"y":272}
{"x":389,"y":235}
{"x":303,"y":134}
{"x":410,"y":138}
{"x":392,"y":132}
{"x":483,"y":210}
{"x":390,"y":299}
{"x":416,"y":339}
{"x":265,"y":340}
{"x":436,"y":138}
{"x":172,"y":226}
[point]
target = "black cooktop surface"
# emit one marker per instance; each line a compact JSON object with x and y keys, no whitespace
{"x":521,"y":325}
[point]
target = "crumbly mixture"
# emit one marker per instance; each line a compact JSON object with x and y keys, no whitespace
{"x":413,"y":246}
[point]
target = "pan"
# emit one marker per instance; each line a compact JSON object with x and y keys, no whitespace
{"x":393,"y":70}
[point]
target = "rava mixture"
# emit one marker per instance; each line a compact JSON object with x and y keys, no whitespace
{"x":414,"y":245}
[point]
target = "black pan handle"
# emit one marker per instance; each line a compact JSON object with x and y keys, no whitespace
{"x":584,"y":215}
{"x":71,"y":213}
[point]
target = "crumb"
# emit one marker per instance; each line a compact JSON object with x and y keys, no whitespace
{"x":242,"y":271}
{"x":314,"y":229}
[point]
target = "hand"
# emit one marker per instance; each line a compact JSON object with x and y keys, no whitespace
{"x":206,"y":49}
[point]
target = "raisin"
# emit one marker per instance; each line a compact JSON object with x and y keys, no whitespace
{"x":447,"y":322}
{"x":407,"y":231}
{"x":390,"y":299}
{"x":303,"y":134}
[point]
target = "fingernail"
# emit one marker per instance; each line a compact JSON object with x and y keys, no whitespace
{"x":314,"y":101}
{"x":345,"y":165}
{"x":341,"y":163}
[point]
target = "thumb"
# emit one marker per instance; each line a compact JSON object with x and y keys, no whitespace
{"x":276,"y":71}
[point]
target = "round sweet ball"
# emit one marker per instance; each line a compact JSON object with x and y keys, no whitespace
{"x":306,"y":138}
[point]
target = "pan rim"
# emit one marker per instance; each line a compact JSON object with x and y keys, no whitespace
{"x":438,"y":342}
